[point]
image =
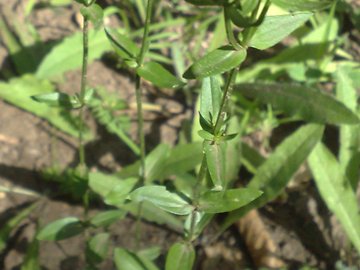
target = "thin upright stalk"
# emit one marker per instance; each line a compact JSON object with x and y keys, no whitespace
{"x":82,"y":92}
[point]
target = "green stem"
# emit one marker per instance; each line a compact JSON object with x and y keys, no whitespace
{"x":145,"y":41}
{"x":229,"y":31}
{"x":82,"y":91}
{"x":225,"y":99}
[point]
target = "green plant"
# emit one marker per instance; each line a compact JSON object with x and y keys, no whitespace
{"x":185,"y":186}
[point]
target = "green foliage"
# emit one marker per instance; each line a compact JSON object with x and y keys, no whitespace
{"x":97,"y":248}
{"x":181,"y":256}
{"x":61,"y":229}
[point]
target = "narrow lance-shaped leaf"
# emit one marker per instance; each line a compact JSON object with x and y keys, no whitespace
{"x":336,"y":191}
{"x":57,"y":99}
{"x":275,"y":28}
{"x":213,"y":202}
{"x":120,"y":192}
{"x":216,"y":62}
{"x":303,"y":5}
{"x":61,"y":229}
{"x":97,"y":248}
{"x":210,"y":99}
{"x":158,"y":75}
{"x":127,"y":260}
{"x":215,"y":153}
{"x":274,"y":174}
{"x":181,"y":256}
{"x":159,"y":196}
{"x":349,"y":152}
{"x":305,"y":102}
{"x":106,"y":218}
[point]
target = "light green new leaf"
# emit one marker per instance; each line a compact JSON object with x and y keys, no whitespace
{"x":158,"y":75}
{"x":336,"y":191}
{"x":162,"y":198}
{"x":102,"y":183}
{"x":106,"y":218}
{"x":127,"y":260}
{"x":210,"y":99}
{"x":216,"y":62}
{"x":57,"y":99}
{"x":120,"y":192}
{"x":18,"y":92}
{"x":97,"y":248}
{"x":61,"y":229}
{"x":275,"y":28}
{"x":67,"y":55}
{"x":181,"y":256}
{"x":274,"y":174}
{"x":6,"y":228}
{"x":215,"y":153}
{"x":31,"y":260}
{"x":93,"y":13}
{"x":304,"y":102}
{"x":303,"y":5}
{"x":349,"y":135}
{"x":213,"y":202}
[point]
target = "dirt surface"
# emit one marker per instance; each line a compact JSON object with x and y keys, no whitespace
{"x":298,"y":225}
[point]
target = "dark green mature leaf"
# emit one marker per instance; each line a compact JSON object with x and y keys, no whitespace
{"x":158,"y":75}
{"x":336,"y":191}
{"x":93,"y":13}
{"x":31,"y":260}
{"x":57,"y":99}
{"x":303,"y":5}
{"x":6,"y":229}
{"x":120,"y":192}
{"x":215,"y":153}
{"x":123,"y":46}
{"x":61,"y":229}
{"x":213,"y":202}
{"x":305,"y":102}
{"x":159,"y":196}
{"x":106,"y":218}
{"x":274,"y":174}
{"x":181,"y":256}
{"x":216,"y":62}
{"x":275,"y":28}
{"x":210,"y":99}
{"x":67,"y":55}
{"x":207,"y":2}
{"x":18,"y":92}
{"x":127,"y":260}
{"x":97,"y":248}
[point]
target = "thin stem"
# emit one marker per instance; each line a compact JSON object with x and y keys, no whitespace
{"x":145,"y":41}
{"x":224,"y":102}
{"x":229,"y":31}
{"x":82,"y":91}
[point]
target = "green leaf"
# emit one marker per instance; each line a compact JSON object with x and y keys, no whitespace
{"x":18,"y":92}
{"x":303,"y":5}
{"x":61,"y":229}
{"x":275,"y":28}
{"x":213,"y":202}
{"x":215,"y":153}
{"x":123,"y":46}
{"x":31,"y":260}
{"x":120,"y":192}
{"x":159,"y":196}
{"x":67,"y":55}
{"x":97,"y":248}
{"x":216,"y":62}
{"x":158,"y":75}
{"x":127,"y":260}
{"x":336,"y":191}
{"x":106,"y":218}
{"x":210,"y":99}
{"x":182,"y":158}
{"x":206,"y":135}
{"x":94,"y":13}
{"x":200,"y":221}
{"x":304,"y":102}
{"x":181,"y":256}
{"x":274,"y":174}
{"x":155,"y":162}
{"x":57,"y":99}
{"x":151,"y":253}
{"x":6,"y":229}
{"x":103,"y":183}
{"x":349,"y":135}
